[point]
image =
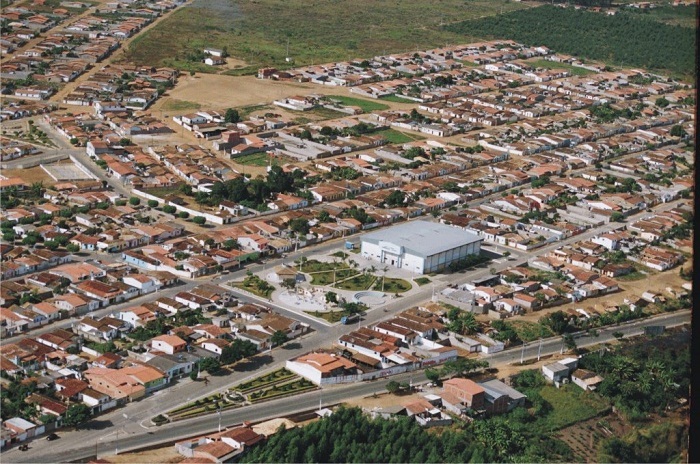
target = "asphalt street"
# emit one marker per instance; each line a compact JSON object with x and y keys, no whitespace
{"x":124,"y":430}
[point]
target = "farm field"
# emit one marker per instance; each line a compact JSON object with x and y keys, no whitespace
{"x":258,"y":33}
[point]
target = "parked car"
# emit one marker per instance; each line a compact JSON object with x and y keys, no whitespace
{"x":52,"y":437}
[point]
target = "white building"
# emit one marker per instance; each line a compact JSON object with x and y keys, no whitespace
{"x":420,"y":246}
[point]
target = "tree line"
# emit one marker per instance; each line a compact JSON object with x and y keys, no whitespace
{"x":350,"y":436}
{"x":624,"y":39}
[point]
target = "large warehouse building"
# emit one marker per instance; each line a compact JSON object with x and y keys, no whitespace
{"x":420,"y":246}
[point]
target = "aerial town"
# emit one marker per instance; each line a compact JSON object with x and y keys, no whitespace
{"x":437,"y":237}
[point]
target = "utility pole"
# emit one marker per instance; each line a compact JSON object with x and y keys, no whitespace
{"x":539,"y":350}
{"x":522,"y":354}
{"x":219,"y":413}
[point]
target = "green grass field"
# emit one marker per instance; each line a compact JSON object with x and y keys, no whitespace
{"x":570,"y":404}
{"x":258,"y":31}
{"x":529,"y":331}
{"x":255,"y":159}
{"x":397,"y":99}
{"x":391,"y":285}
{"x":366,"y":105}
{"x":332,"y":317}
{"x":394,"y":136}
{"x":358,"y":282}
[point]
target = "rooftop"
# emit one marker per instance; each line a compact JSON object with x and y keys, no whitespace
{"x":418,"y":237}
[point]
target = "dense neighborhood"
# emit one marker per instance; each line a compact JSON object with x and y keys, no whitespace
{"x":147,"y":249}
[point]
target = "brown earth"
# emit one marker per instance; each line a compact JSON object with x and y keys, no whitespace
{"x":165,"y":455}
{"x":30,"y":175}
{"x":218,"y":91}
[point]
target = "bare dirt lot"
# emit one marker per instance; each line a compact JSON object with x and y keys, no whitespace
{"x":216,"y":91}
{"x":30,"y":175}
{"x":165,"y":455}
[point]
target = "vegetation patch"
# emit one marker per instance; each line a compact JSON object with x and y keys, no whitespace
{"x":329,"y":316}
{"x":256,"y":159}
{"x":264,"y":381}
{"x":357,"y":282}
{"x":326,"y":113}
{"x":422,"y":281}
{"x":313,"y":265}
{"x":623,"y":39}
{"x":259,"y":32}
{"x":394,"y":136}
{"x":365,"y":105}
{"x":391,"y":285}
{"x":570,"y":404}
{"x":529,"y":331}
{"x":396,"y":99}
{"x":256,"y":286}
{"x":174,"y":104}
{"x":632,"y":276}
{"x":277,"y":390}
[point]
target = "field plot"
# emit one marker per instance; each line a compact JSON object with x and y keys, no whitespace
{"x":258,"y":32}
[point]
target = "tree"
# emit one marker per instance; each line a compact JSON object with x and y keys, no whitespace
{"x":210,"y":365}
{"x":183,"y":214}
{"x":72,"y":248}
{"x":331,"y":297}
{"x":76,"y":414}
{"x":169,"y":209}
{"x":433,"y":375}
{"x":30,"y":240}
{"x":617,"y":216}
{"x":199,"y":220}
{"x":662,"y":102}
{"x":557,"y":321}
{"x":134,"y":201}
{"x":290,"y":283}
{"x":414,"y":152}
{"x":678,"y":131}
{"x":230,"y":244}
{"x":232,"y":116}
{"x":152,"y":204}
{"x":393,"y":387}
{"x":323,"y":216}
{"x":395,"y":198}
{"x":193,"y":375}
{"x":299,"y":225}
{"x":278,"y":338}
{"x":463,"y":366}
{"x":237,"y":350}
{"x":569,"y":342}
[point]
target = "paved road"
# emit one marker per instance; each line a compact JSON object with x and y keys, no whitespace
{"x":111,"y":431}
{"x":555,"y":345}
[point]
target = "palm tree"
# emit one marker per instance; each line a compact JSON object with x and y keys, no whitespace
{"x":644,"y":382}
{"x":656,"y":367}
{"x":469,"y":323}
{"x":384,"y":271}
{"x":36,"y":188}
